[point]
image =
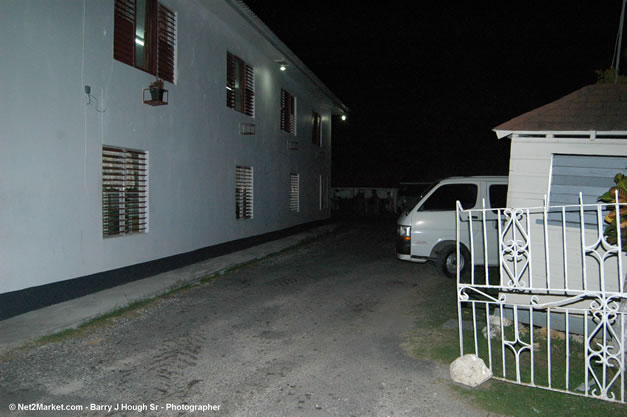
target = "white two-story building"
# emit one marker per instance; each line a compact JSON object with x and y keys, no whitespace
{"x":100,"y":180}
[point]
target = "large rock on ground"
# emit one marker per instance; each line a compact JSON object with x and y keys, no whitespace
{"x":470,"y":370}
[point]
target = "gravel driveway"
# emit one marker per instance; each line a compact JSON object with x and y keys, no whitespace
{"x":314,"y":331}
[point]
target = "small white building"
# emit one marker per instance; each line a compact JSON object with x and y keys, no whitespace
{"x":574,"y":145}
{"x":96,"y":175}
{"x":560,"y":276}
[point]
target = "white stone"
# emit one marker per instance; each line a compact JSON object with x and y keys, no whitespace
{"x":495,"y":320}
{"x":495,"y":326}
{"x":470,"y":370}
{"x":494,"y":332}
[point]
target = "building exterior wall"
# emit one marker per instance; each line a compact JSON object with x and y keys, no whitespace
{"x":530,"y":181}
{"x":52,"y":133}
{"x":531,"y":159}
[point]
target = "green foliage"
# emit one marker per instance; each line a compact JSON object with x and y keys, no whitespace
{"x":608,"y":76}
{"x":611,"y":232}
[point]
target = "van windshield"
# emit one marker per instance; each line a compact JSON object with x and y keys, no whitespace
{"x":415,"y":200}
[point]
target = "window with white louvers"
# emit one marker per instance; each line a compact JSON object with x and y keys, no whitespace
{"x":324,"y":192}
{"x":294,"y":193}
{"x":243,"y":192}
{"x":124,"y":191}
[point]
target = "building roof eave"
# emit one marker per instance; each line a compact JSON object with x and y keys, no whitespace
{"x":243,"y":10}
{"x":502,"y":133}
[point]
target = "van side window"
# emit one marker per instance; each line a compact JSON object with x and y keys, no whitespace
{"x":444,"y":198}
{"x":498,"y":195}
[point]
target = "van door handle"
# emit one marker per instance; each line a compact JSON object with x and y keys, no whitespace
{"x":475,"y":217}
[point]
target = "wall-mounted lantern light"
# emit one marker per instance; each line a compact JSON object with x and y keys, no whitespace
{"x":282,"y":64}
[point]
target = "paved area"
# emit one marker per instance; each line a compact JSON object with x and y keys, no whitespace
{"x":315,"y":331}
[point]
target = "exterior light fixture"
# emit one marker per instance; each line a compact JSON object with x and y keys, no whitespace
{"x":343,"y":117}
{"x":282,"y":64}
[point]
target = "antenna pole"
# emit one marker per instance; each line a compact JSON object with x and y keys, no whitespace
{"x":620,"y":39}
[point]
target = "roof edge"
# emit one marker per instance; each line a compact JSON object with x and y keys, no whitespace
{"x":243,"y":10}
{"x":501,"y":133}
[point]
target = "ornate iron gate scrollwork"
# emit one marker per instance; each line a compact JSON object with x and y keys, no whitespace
{"x":550,"y":311}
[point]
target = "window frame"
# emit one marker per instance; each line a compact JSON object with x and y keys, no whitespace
{"x":294,"y":195}
{"x":316,"y":129}
{"x":244,"y":192}
{"x":160,"y":42}
{"x":125,"y":179}
{"x":242,"y":87}
{"x":288,"y":112}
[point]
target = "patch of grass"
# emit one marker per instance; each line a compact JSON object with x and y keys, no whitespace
{"x":104,"y":320}
{"x":522,"y":401}
{"x":132,"y":310}
{"x":429,"y":339}
{"x":432,"y":341}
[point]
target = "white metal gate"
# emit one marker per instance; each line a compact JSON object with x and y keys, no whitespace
{"x":552,"y":313}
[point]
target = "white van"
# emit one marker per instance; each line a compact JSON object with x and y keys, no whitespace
{"x":426,"y":231}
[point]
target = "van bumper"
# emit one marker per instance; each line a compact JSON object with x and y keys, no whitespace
{"x":409,"y":258}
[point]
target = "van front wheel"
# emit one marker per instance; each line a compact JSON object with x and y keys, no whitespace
{"x":447,"y":261}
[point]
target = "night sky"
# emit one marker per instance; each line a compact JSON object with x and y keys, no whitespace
{"x":426,"y":84}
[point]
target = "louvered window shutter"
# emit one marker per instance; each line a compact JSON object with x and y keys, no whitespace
{"x":288,"y":117}
{"x":294,"y":193}
{"x":244,"y":192}
{"x":284,"y":124}
{"x":156,"y":57}
{"x":230,"y":80}
{"x":124,"y":191}
{"x":249,"y":93}
{"x":316,"y":132}
{"x":124,"y":31}
{"x":167,"y":43}
{"x":240,"y":85}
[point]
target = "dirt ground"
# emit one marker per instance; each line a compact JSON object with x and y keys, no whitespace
{"x":315,"y":331}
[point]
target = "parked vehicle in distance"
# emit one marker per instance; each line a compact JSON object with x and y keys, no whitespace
{"x":426,"y":231}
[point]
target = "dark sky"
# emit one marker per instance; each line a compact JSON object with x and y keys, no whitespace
{"x":426,"y":84}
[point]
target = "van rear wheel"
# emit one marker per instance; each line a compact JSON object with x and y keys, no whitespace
{"x":447,"y":261}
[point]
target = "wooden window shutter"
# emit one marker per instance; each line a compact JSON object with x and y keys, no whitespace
{"x":284,"y":116}
{"x":167,"y":43}
{"x":230,"y":80}
{"x":240,"y":93}
{"x":316,"y":129}
{"x":159,"y":57}
{"x":287,"y":112}
{"x":249,"y":93}
{"x":124,"y":31}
